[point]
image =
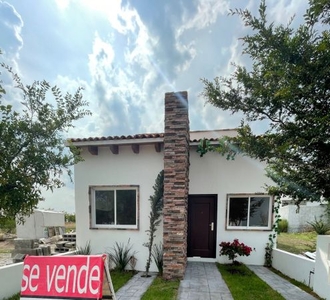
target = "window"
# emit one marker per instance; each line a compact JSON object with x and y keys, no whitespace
{"x":114,"y":207}
{"x":249,"y":212}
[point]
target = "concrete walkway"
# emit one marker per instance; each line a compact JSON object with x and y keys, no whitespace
{"x":288,"y":290}
{"x":203,"y":281}
{"x":135,"y":287}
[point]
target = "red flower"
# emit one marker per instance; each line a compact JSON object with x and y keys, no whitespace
{"x":234,"y":249}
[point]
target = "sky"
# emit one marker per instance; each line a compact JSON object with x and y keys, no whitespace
{"x":127,"y":54}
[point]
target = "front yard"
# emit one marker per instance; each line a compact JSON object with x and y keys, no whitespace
{"x":297,"y":243}
{"x":238,"y":282}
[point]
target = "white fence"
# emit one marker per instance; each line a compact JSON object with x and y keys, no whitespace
{"x":295,"y":266}
{"x":11,"y":278}
{"x":316,"y":273}
{"x":322,"y":267}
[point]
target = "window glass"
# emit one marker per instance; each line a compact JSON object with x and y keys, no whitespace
{"x":259,"y":211}
{"x":114,"y":207}
{"x":238,"y":211}
{"x":249,"y":212}
{"x":126,"y":207}
{"x":104,"y":207}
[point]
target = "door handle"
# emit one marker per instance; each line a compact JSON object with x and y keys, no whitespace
{"x":212,"y":226}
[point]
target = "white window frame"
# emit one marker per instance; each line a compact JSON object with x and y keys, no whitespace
{"x":247,"y":227}
{"x":114,"y":188}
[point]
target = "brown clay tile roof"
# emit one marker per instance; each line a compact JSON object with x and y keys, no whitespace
{"x":195,"y":136}
{"x":122,"y":137}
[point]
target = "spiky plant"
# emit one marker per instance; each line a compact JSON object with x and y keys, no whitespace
{"x":120,"y":255}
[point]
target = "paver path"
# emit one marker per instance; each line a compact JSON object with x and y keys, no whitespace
{"x":135,"y":287}
{"x":203,"y":281}
{"x":288,"y":290}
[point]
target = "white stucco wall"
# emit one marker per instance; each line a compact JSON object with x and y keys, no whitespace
{"x":35,"y":224}
{"x":295,"y":266}
{"x":125,"y":168}
{"x":214,"y":174}
{"x":322,"y":267}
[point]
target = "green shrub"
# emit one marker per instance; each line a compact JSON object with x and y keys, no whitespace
{"x":320,"y":226}
{"x":70,"y":218}
{"x":283,"y":225}
{"x":7,"y":225}
{"x":120,"y":255}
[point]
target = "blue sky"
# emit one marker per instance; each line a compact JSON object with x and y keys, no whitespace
{"x":127,"y":54}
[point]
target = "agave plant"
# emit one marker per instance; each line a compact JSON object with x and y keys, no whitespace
{"x":121,"y":254}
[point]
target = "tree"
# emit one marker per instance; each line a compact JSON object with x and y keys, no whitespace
{"x":32,"y":149}
{"x":156,"y":205}
{"x":289,"y":86}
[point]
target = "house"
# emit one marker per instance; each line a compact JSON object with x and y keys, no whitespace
{"x":207,"y":199}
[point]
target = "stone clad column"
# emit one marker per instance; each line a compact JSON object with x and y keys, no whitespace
{"x":176,"y":184}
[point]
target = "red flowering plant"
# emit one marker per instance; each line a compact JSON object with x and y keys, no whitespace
{"x":234,"y":249}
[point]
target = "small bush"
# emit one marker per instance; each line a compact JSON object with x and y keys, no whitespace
{"x":320,"y":226}
{"x":283,"y":225}
{"x":7,"y":225}
{"x":120,"y":255}
{"x":234,"y":249}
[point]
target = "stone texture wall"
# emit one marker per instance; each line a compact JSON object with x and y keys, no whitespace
{"x":176,"y":184}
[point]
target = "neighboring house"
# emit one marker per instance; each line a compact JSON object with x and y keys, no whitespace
{"x":207,"y":199}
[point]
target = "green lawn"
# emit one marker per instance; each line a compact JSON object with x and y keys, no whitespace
{"x":161,"y":289}
{"x":297,"y":243}
{"x":120,"y":278}
{"x":245,"y":285}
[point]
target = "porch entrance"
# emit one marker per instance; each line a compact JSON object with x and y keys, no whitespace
{"x":202,"y":217}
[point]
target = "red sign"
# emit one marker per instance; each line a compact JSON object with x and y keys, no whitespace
{"x":75,"y":276}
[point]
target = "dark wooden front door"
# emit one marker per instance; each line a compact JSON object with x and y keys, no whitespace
{"x":202,"y":213}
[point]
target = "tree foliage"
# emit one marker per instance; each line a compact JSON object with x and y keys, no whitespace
{"x":289,"y":86}
{"x":32,"y":148}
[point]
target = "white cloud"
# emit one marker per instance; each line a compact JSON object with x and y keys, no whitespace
{"x":102,"y":57}
{"x":207,"y":13}
{"x":204,"y":18}
{"x":11,"y":25}
{"x":283,"y":10}
{"x":125,"y":79}
{"x":62,"y":4}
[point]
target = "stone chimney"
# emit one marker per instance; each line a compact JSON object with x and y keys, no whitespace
{"x":176,"y":185}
